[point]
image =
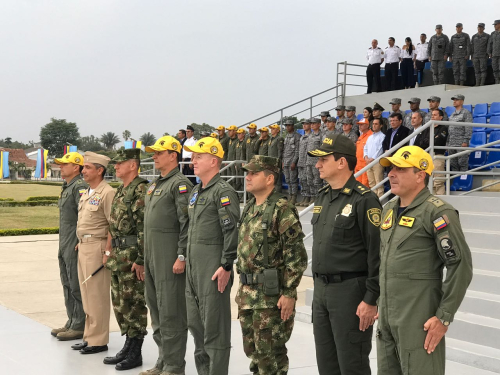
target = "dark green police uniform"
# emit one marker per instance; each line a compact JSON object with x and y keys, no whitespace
{"x":417,"y":242}
{"x":166,"y":224}
{"x":212,"y":240}
{"x":67,"y":256}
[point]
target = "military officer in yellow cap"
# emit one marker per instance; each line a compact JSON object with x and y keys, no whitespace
{"x":231,"y":152}
{"x":420,"y":235}
{"x":214,"y":135}
{"x":223,"y":139}
{"x":240,"y":154}
{"x":94,"y":212}
{"x":251,"y":139}
{"x":72,"y":189}
{"x":214,"y":212}
{"x":262,"y":144}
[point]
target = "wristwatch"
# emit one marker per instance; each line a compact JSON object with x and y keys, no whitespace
{"x":181,"y":257}
{"x":227,"y":266}
{"x":445,"y":323}
{"x":107,"y":253}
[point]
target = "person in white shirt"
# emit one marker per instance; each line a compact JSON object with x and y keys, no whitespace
{"x":375,"y":57}
{"x":187,"y":169}
{"x":421,"y":57}
{"x":372,"y":150}
{"x":392,"y":59}
{"x":407,"y":56}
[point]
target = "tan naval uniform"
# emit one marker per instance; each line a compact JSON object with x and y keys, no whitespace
{"x":92,"y":231}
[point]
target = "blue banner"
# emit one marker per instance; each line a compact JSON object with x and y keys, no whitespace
{"x":73,"y":149}
{"x":4,"y":164}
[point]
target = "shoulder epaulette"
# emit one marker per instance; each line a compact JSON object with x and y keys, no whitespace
{"x":370,"y":48}
{"x":324,"y":188}
{"x":361,"y":189}
{"x":435,"y":201}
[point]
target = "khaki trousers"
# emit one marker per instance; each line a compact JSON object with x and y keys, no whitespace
{"x":439,"y":187}
{"x":95,"y":292}
{"x":375,"y":175}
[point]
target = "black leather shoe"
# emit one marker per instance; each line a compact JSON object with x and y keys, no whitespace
{"x":94,"y":349}
{"x":79,"y":346}
{"x":120,"y":356}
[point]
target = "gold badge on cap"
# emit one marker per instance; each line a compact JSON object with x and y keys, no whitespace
{"x":174,"y":146}
{"x":77,"y":160}
{"x":67,"y":156}
{"x":214,"y":149}
{"x":423,"y":164}
{"x":405,"y":155}
{"x":162,"y":143}
{"x":346,"y":211}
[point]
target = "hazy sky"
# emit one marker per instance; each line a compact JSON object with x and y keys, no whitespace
{"x":151,"y":65}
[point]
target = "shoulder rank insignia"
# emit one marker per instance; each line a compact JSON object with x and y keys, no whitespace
{"x":374,"y":216}
{"x":317,"y":209}
{"x":387,"y":223}
{"x":224,"y":201}
{"x":436,"y":201}
{"x":346,"y":211}
{"x":440,"y":223}
{"x":183,"y":189}
{"x":151,"y":189}
{"x":407,"y":221}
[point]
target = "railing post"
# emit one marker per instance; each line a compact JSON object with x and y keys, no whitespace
{"x":448,"y":175}
{"x":310,"y":107}
{"x":281,"y":120}
{"x":345,"y":83}
{"x":431,"y":152}
{"x":337,"y":83}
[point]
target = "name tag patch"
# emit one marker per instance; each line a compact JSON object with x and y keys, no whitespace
{"x":407,"y":221}
{"x":158,"y":192}
{"x":317,"y":209}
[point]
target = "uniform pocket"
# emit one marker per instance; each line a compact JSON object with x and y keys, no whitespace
{"x":419,"y":363}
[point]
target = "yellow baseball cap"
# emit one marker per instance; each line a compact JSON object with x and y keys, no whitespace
{"x":232,"y":127}
{"x":221,"y":127}
{"x":410,"y":156}
{"x":70,"y":157}
{"x":165,"y":143}
{"x":252,"y":126}
{"x":264,"y":129}
{"x":214,"y":135}
{"x":241,"y":130}
{"x":207,"y":145}
{"x":274,"y":126}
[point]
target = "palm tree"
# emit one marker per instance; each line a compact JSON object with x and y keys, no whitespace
{"x":126,"y":135}
{"x":148,"y":139}
{"x":109,"y":140}
{"x":8,"y":141}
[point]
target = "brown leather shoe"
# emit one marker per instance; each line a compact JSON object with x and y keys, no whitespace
{"x":70,"y":334}
{"x":151,"y":371}
{"x":56,"y":331}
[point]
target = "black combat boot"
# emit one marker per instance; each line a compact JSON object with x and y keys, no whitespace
{"x":134,"y":356}
{"x":121,"y":355}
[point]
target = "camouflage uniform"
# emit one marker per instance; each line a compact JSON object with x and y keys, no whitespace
{"x":264,"y":332}
{"x":494,"y":52}
{"x":291,"y":156}
{"x":479,"y":46}
{"x":250,"y":146}
{"x":458,"y":135}
{"x":313,"y":179}
{"x":460,"y":52}
{"x":127,"y":292}
{"x":240,"y":154}
{"x":437,"y":49}
{"x":346,"y":120}
{"x":351,"y":135}
{"x":302,"y":167}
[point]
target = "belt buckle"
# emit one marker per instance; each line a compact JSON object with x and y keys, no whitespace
{"x":243,"y":279}
{"x":324,"y":278}
{"x":249,"y":277}
{"x":87,"y":235}
{"x":337,"y":278}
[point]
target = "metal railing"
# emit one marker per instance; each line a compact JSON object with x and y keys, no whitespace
{"x":344,"y":75}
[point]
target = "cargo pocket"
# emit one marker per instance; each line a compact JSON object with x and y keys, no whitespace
{"x":419,"y":363}
{"x":264,"y":340}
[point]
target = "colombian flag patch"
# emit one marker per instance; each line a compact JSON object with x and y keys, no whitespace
{"x":81,"y":191}
{"x":224,"y":201}
{"x":440,"y":223}
{"x":183,"y":189}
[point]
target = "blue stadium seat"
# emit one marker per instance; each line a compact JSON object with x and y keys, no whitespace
{"x":468,"y":107}
{"x":477,"y":158}
{"x":360,"y":117}
{"x":407,"y":111}
{"x":494,"y":109}
{"x":300,"y":131}
{"x":494,"y":155}
{"x":463,"y":183}
{"x":479,"y":120}
{"x":450,"y":110}
{"x":386,"y":114}
{"x":426,"y":110}
{"x":480,"y":110}
{"x":495,"y":120}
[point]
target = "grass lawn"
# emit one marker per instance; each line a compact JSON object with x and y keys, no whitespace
{"x":28,"y":217}
{"x":20,"y":192}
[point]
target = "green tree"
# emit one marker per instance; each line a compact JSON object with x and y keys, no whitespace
{"x":148,"y":139}
{"x":8,"y":141}
{"x":109,"y":140}
{"x":91,"y":143}
{"x":126,"y":135}
{"x":58,"y":133}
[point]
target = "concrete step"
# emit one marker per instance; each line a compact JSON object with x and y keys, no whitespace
{"x":480,"y":220}
{"x":303,"y":314}
{"x":485,"y":239}
{"x":485,"y":259}
{"x":474,"y":355}
{"x":479,"y":303}
{"x":476,"y":329}
{"x":485,"y":281}
{"x":486,"y":204}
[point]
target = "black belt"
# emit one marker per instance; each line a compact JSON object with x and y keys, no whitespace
{"x":251,"y":278}
{"x":397,"y":62}
{"x":329,"y":278}
{"x":124,"y":242}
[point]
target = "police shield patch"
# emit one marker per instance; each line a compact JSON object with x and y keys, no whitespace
{"x":374,"y":215}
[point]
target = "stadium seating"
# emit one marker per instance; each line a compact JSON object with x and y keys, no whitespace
{"x":477,"y":158}
{"x":386,"y":114}
{"x":408,"y":111}
{"x":494,"y":109}
{"x":468,"y":107}
{"x":426,"y":110}
{"x":360,"y":117}
{"x":462,"y":183}
{"x":494,"y":156}
{"x":479,"y":120}
{"x":300,"y":131}
{"x":480,"y":110}
{"x":449,"y":110}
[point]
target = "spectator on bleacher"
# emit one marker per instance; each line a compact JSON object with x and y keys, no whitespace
{"x":396,"y":133}
{"x":305,"y":189}
{"x":330,"y":126}
{"x":367,"y":114}
{"x":434,"y":102}
{"x":364,"y":133}
{"x":377,"y":113}
{"x":323,"y":116}
{"x":373,"y":149}
{"x":396,"y":106}
{"x":421,"y":57}
{"x":440,"y":139}
{"x":392,"y":60}
{"x":422,"y":139}
{"x":407,"y":56}
{"x":438,"y":51}
{"x":349,"y":132}
{"x":459,"y":136}
{"x":459,"y":54}
{"x":414,"y":107}
{"x":479,"y":52}
{"x":313,"y":143}
{"x":494,"y":50}
{"x":340,"y":112}
{"x":375,"y":57}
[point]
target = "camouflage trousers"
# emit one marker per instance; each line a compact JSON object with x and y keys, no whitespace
{"x":291,"y":179}
{"x":459,"y":70}
{"x":480,"y":69}
{"x":305,"y":189}
{"x":264,"y":337}
{"x":437,"y":67}
{"x":313,"y":180}
{"x":460,"y":163}
{"x":129,"y":304}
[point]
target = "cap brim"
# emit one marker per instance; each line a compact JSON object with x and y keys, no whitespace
{"x":196,"y":149}
{"x":60,"y":161}
{"x":153,"y":149}
{"x":319,"y":152}
{"x":251,"y":167}
{"x":455,"y":98}
{"x":387,"y":162}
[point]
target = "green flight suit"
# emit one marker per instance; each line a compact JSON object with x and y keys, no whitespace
{"x":67,"y":256}
{"x":345,"y":265}
{"x":214,"y":211}
{"x":240,"y":154}
{"x":416,"y":245}
{"x":166,"y":225}
{"x":261,"y":147}
{"x":250,"y":146}
{"x":231,"y":155}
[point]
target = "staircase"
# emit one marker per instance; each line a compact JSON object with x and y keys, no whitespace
{"x":474,"y":336}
